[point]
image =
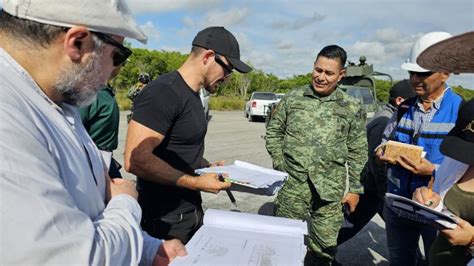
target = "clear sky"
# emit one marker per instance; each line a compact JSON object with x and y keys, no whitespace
{"x":283,"y":37}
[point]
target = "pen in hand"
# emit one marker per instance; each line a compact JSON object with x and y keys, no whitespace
{"x":430,"y":191}
{"x":229,"y":193}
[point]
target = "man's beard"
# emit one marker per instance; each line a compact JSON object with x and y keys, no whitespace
{"x":79,"y":83}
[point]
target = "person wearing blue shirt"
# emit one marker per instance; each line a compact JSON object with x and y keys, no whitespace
{"x":426,"y":120}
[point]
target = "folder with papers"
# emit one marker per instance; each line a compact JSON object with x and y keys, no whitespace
{"x":250,"y":178}
{"x":420,"y":213}
{"x":234,"y":238}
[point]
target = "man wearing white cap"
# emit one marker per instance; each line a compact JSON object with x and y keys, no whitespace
{"x":424,"y":121}
{"x":58,"y":205}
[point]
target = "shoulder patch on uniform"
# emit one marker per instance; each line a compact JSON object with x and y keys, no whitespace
{"x":297,"y":105}
{"x":340,"y":99}
{"x":342,"y":102}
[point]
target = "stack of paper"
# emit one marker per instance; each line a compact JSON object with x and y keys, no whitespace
{"x":420,"y":213}
{"x":250,"y":178}
{"x":234,"y":238}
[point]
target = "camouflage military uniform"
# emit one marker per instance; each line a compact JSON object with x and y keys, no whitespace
{"x":135,"y":90}
{"x":312,"y":138}
{"x":132,"y":94}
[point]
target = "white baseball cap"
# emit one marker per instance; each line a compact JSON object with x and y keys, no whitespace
{"x":106,"y":16}
{"x":420,"y":45}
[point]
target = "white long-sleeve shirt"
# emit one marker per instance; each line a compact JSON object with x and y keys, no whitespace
{"x":52,"y":186}
{"x":448,"y":174}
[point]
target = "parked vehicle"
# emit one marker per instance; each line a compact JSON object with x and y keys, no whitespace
{"x":365,"y":97}
{"x":258,"y":104}
{"x":359,"y":82}
{"x":279,"y":96}
{"x":204,"y":95}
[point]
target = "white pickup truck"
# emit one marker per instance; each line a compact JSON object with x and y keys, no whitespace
{"x":258,"y":104}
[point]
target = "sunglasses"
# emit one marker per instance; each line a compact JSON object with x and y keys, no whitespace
{"x":421,"y":74}
{"x":227,"y":69}
{"x":123,"y":52}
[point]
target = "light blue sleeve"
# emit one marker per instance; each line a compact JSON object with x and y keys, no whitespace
{"x":392,"y":123}
{"x":40,"y":219}
{"x":150,"y":248}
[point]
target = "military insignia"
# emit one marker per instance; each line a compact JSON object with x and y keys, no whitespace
{"x":469,"y":127}
{"x":297,"y":106}
{"x":342,"y":103}
{"x":340,"y":99}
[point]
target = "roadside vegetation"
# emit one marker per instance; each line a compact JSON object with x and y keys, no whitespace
{"x":229,"y":96}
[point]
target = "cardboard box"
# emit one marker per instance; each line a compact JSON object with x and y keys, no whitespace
{"x":394,"y":149}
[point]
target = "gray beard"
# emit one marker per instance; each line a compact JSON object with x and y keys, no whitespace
{"x":87,"y":75}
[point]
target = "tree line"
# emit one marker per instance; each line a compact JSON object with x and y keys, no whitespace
{"x":239,"y":86}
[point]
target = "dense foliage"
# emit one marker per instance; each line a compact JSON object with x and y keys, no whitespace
{"x":232,"y":94}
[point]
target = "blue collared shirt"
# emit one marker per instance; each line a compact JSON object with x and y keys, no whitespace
{"x":421,"y":117}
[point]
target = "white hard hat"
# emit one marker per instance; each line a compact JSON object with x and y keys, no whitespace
{"x":420,"y":45}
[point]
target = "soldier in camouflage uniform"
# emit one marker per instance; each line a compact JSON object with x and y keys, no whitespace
{"x":143,"y":80}
{"x":316,"y":132}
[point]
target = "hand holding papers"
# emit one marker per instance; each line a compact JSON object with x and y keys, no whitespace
{"x":233,"y":238}
{"x":250,"y":178}
{"x":418,"y":212}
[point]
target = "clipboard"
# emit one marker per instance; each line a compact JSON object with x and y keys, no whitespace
{"x":249,"y":178}
{"x":419,"y":212}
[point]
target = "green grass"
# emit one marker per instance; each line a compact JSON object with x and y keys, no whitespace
{"x":123,"y":102}
{"x":218,"y":103}
{"x":226,"y":103}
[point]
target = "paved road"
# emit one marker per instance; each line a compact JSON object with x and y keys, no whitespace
{"x":231,"y":137}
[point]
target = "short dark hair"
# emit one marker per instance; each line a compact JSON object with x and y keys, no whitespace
{"x":392,"y":101}
{"x":402,"y":88}
{"x":334,"y":52}
{"x":197,"y":50}
{"x":31,"y":31}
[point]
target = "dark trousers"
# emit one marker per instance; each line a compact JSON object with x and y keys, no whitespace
{"x":403,"y":236}
{"x":369,"y":205}
{"x":180,"y":225}
{"x":114,"y":169}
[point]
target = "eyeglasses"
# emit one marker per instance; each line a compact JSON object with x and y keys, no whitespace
{"x":421,"y":74}
{"x":227,"y":69}
{"x":123,"y":52}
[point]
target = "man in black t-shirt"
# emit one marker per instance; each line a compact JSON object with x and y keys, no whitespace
{"x":165,"y":140}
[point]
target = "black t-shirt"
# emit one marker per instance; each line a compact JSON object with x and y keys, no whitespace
{"x":169,"y":106}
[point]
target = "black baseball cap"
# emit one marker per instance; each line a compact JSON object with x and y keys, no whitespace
{"x":224,"y":43}
{"x":402,"y":89}
{"x":459,"y":143}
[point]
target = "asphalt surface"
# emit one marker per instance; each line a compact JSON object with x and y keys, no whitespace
{"x":231,"y":137}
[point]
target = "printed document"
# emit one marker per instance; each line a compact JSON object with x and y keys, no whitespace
{"x":257,"y":179}
{"x":233,"y":238}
